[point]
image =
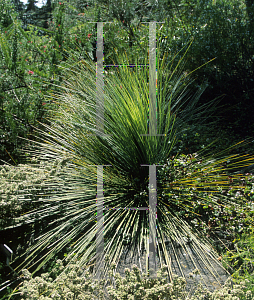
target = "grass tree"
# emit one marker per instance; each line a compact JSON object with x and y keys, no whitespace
{"x":67,"y":204}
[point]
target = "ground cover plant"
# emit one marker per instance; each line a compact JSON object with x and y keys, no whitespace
{"x":75,"y":283}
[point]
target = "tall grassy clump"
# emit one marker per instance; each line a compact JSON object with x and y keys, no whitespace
{"x":67,"y":205}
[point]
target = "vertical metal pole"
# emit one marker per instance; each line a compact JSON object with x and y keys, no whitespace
{"x":100,"y":223}
{"x":99,"y":81}
{"x":152,"y":217}
{"x":152,"y":214}
{"x":152,"y":118}
{"x":152,"y":79}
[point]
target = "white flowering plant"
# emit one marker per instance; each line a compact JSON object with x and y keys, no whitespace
{"x":76,"y":283}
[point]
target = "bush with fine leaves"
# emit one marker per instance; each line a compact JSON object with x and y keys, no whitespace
{"x":35,"y":181}
{"x":75,"y":283}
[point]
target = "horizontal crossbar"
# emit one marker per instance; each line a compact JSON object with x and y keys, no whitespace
{"x":130,"y":208}
{"x":126,"y":65}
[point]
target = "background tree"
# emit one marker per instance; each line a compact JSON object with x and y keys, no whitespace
{"x":48,"y":13}
{"x":31,"y":5}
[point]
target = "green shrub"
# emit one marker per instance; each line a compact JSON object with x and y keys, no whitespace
{"x":241,"y":259}
{"x":29,"y":65}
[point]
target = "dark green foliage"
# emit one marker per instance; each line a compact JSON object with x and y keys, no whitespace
{"x":221,"y":31}
{"x":6,"y":9}
{"x":250,"y":12}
